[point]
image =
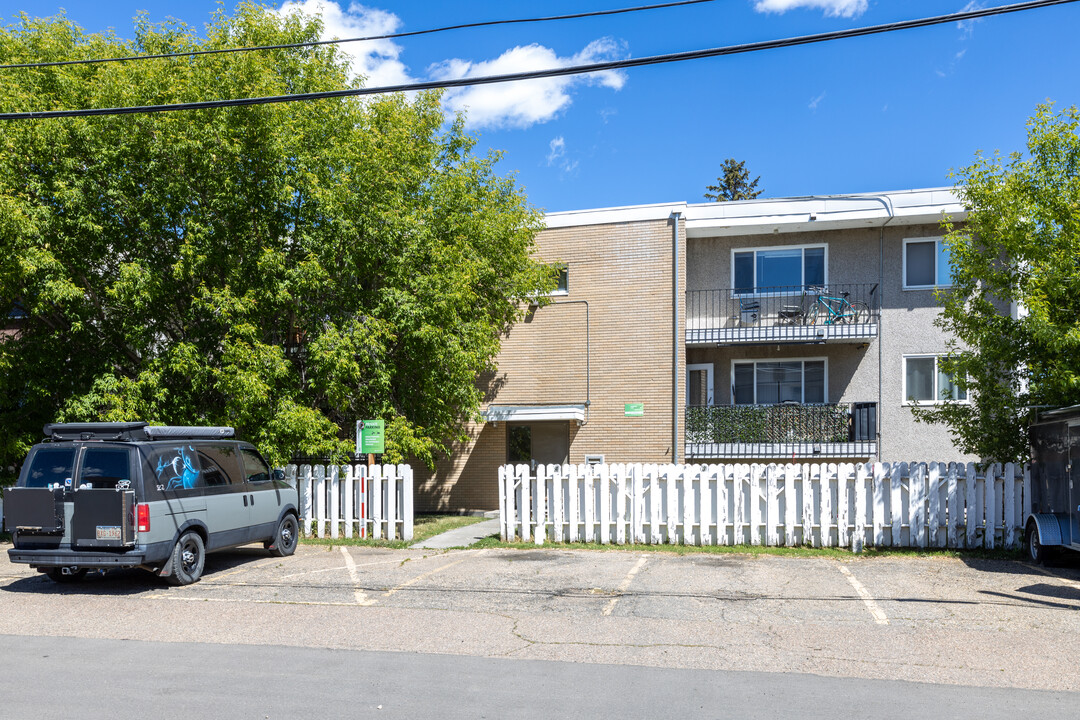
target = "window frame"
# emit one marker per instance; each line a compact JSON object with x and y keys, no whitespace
{"x":710,"y":384}
{"x":767,"y":248}
{"x":905,"y":285}
{"x":908,"y":402}
{"x":564,"y":273}
{"x":802,"y":389}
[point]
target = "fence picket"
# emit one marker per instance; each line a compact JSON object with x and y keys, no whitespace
{"x":1008,"y":531}
{"x":347,"y":492}
{"x":637,"y":489}
{"x":320,"y":500}
{"x":826,"y":518}
{"x":706,"y":504}
{"x":690,"y":476}
{"x":990,"y":504}
{"x":672,"y":493}
{"x":844,"y":471}
{"x":772,"y":510}
{"x":303,"y":486}
{"x":896,"y":506}
{"x":858,"y":538}
{"x":791,"y":503}
{"x":539,"y":509}
{"x":916,"y":505}
{"x":879,"y":505}
{"x":721,"y":514}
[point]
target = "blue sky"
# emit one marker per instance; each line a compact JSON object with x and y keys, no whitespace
{"x":887,"y":112}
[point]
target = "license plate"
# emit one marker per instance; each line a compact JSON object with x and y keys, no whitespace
{"x":108,"y":532}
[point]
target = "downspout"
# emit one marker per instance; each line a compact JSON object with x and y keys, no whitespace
{"x":881,"y":314}
{"x":675,"y":336}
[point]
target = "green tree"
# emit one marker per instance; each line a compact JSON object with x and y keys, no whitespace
{"x":734,"y":183}
{"x":285,"y":269}
{"x":1014,"y":307}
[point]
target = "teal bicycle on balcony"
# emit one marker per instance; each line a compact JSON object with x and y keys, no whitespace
{"x":818,"y":307}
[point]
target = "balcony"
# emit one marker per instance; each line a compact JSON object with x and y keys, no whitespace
{"x":789,"y":431}
{"x":783,"y":314}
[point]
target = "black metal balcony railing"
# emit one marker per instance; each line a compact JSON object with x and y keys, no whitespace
{"x":786,"y":430}
{"x":791,"y":313}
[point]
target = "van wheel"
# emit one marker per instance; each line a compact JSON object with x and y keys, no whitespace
{"x":57,"y":575}
{"x":188,"y":559}
{"x":286,"y":537}
{"x":1037,"y":553}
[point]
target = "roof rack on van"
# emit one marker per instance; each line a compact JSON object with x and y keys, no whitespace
{"x":127,"y":431}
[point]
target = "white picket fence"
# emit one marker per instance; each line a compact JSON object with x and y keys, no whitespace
{"x":354,"y":500}
{"x":847,"y":505}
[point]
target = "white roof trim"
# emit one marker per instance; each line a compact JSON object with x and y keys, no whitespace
{"x":534,"y":413}
{"x":796,"y":214}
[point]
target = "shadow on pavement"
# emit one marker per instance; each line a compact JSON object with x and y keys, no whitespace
{"x":130,"y":581}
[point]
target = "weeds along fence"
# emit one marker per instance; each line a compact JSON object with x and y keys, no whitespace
{"x":921,"y":505}
{"x":354,"y":500}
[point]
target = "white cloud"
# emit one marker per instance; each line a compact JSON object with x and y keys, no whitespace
{"x":376,"y":60}
{"x":557,"y":155}
{"x":967,"y":27}
{"x":834,"y":8}
{"x":526,"y":102}
{"x":816,"y":101}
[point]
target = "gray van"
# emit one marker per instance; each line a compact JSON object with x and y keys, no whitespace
{"x":113,"y":495}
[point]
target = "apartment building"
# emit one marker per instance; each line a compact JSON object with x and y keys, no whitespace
{"x":779,"y":330}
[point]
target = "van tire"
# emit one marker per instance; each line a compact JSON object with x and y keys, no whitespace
{"x":286,"y":537}
{"x":56,"y":575}
{"x":188,"y":559}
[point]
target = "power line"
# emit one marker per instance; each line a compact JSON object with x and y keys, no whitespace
{"x":553,"y":72}
{"x":391,"y":36}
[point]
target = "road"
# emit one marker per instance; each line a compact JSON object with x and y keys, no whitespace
{"x":500,"y":630}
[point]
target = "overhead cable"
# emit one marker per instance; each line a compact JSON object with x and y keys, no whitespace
{"x":552,"y":72}
{"x":336,"y":41}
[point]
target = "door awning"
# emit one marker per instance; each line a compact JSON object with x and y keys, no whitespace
{"x":534,"y":413}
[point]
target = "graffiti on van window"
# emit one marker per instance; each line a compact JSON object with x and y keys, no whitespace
{"x":178,"y":471}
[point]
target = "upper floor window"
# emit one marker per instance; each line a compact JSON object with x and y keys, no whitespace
{"x":780,"y":269}
{"x":926,"y":264}
{"x":562,"y":285}
{"x":926,"y":383}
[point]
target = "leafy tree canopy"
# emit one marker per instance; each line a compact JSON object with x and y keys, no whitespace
{"x":286,"y":269}
{"x":734,"y":183}
{"x":1014,"y":307}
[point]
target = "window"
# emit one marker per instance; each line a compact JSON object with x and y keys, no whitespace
{"x":255,"y":470}
{"x":594,"y":459}
{"x":777,"y":269}
{"x":926,"y":383}
{"x":104,"y":467}
{"x":176,"y":468}
{"x":50,"y":466}
{"x":771,"y":383}
{"x":926,"y":264}
{"x":562,"y":286}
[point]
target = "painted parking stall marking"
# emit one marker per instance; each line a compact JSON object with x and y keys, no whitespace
{"x":624,"y":585}
{"x":871,"y":604}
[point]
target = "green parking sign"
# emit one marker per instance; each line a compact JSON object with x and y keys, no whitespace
{"x":369,"y":437}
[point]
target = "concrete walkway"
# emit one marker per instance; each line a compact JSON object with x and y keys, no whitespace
{"x":462,"y":536}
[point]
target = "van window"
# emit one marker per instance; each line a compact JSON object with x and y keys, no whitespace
{"x":104,"y":467}
{"x":50,"y":465}
{"x":176,"y":468}
{"x":255,"y":470}
{"x":225,"y":463}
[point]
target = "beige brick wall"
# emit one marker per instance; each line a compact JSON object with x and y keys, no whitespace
{"x":624,"y":273}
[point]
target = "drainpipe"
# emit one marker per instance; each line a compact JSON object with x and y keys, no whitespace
{"x":675,"y":336}
{"x":881,"y":314}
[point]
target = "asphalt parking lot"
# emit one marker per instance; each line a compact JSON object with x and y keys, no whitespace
{"x":928,"y":619}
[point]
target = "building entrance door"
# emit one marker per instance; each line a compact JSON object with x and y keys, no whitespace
{"x":538,"y":443}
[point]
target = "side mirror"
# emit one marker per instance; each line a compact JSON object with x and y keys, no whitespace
{"x":278,"y":474}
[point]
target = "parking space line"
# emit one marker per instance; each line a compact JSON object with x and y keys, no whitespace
{"x":360,"y":595}
{"x":624,"y":585}
{"x":1067,"y":581}
{"x":395,"y":561}
{"x":867,"y":598}
{"x":429,"y":573}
